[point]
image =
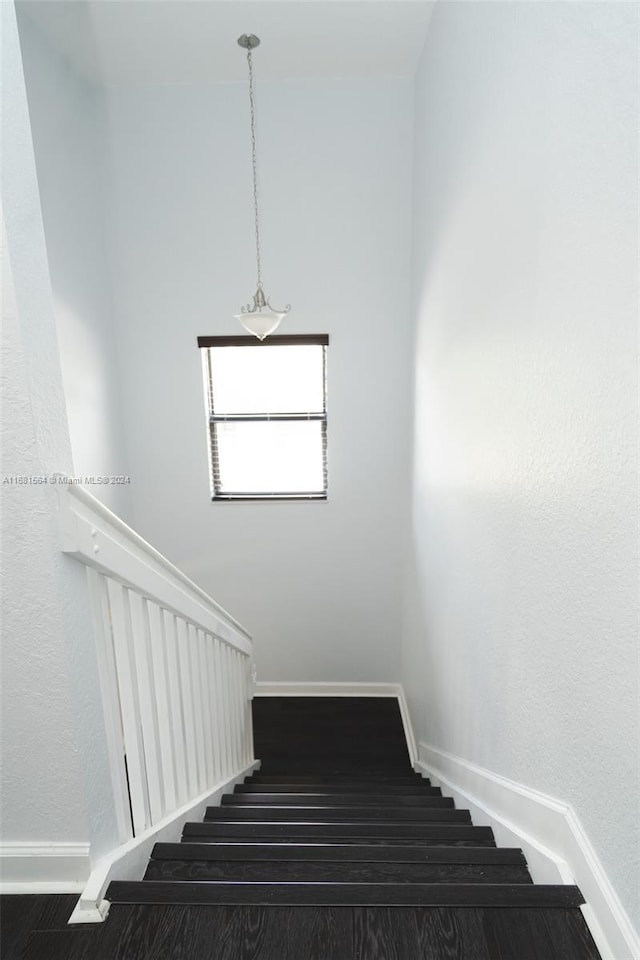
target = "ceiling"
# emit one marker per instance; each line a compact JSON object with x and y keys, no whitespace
{"x":134,"y":42}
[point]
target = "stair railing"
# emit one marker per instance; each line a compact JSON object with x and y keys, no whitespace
{"x":175,"y":669}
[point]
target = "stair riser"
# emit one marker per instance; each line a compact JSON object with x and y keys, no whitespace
{"x":376,"y":894}
{"x":375,"y":832}
{"x":382,"y":842}
{"x":336,"y":852}
{"x":291,"y":872}
{"x":327,"y":789}
{"x":353,"y":779}
{"x":333,"y":800}
{"x":337,"y":814}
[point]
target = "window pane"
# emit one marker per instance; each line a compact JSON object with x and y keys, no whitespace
{"x":270,"y":457}
{"x":283,"y":379}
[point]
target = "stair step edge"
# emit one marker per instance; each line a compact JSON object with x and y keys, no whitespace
{"x":323,"y":814}
{"x":334,"y":800}
{"x":343,"y":894}
{"x":361,"y":852}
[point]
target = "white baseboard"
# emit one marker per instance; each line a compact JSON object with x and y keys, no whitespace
{"x":321,"y":688}
{"x":43,"y":867}
{"x":340,"y":689}
{"x":551,"y":836}
{"x":406,"y":723}
{"x":129,"y":861}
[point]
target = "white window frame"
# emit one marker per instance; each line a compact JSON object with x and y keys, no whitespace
{"x":205,"y":343}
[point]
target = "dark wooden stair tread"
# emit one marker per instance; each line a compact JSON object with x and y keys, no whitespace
{"x":327,"y":788}
{"x":399,"y":853}
{"x":338,"y":814}
{"x":294,"y":871}
{"x":413,"y":832}
{"x":355,"y":777}
{"x":335,"y":800}
{"x":346,"y":894}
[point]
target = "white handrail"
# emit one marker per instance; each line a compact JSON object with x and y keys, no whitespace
{"x":82,"y":513}
{"x":175,"y":669}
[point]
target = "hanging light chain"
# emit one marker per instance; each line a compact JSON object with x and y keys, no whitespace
{"x":259,"y":317}
{"x":254,"y":163}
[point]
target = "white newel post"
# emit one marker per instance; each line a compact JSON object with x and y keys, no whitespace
{"x":176,"y":679}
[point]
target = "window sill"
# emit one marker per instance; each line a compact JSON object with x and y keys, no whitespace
{"x":283,"y":499}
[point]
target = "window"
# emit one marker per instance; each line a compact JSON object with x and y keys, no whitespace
{"x":267,"y":415}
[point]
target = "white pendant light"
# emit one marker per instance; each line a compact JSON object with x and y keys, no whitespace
{"x":259,"y":317}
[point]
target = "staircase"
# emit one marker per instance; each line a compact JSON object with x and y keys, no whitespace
{"x":344,"y":852}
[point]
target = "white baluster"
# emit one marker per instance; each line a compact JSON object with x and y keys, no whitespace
{"x":165,"y":719}
{"x":184,"y":671}
{"x":129,"y":705}
{"x":241,"y":714}
{"x":147,"y":699}
{"x":196,"y":692}
{"x":108,"y":675}
{"x":204,"y":642}
{"x":248,"y":695}
{"x":226,"y":705}
{"x":235,"y":726}
{"x":176,"y":708}
{"x":221,"y":762}
{"x":235,"y":708}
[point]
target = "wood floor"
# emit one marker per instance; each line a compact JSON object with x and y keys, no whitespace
{"x":335,"y":850}
{"x":295,"y":933}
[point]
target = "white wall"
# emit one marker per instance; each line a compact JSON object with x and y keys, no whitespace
{"x":67,"y":125}
{"x":55,"y":777}
{"x":520,"y":647}
{"x":318,"y":584}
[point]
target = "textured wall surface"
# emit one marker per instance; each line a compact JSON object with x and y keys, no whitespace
{"x":521,"y":632}
{"x":318,"y":584}
{"x":55,"y":778}
{"x":66,"y":123}
{"x":39,"y":750}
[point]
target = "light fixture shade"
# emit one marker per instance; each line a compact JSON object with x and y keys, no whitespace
{"x":260,"y":323}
